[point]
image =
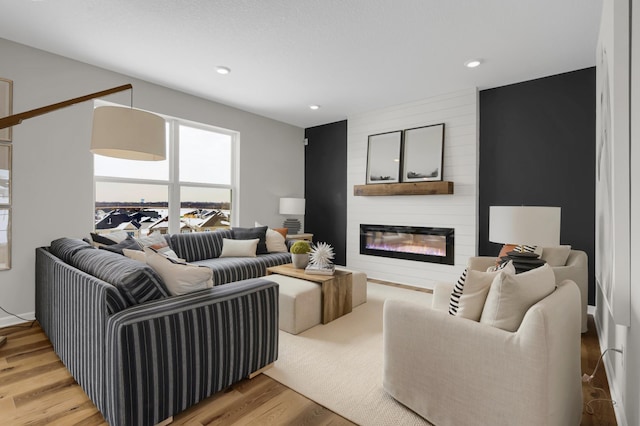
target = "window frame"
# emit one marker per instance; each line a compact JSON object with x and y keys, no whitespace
{"x":173,"y":183}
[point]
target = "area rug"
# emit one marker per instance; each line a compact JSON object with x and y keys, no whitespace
{"x":339,"y":365}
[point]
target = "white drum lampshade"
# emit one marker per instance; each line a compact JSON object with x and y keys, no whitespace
{"x":535,"y":226}
{"x":128,"y":133}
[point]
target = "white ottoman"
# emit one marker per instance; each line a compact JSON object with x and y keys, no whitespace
{"x":359,"y":287}
{"x":300,"y":303}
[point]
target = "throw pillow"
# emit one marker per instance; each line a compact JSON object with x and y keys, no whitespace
{"x":511,"y":296}
{"x":469,"y":293}
{"x":275,"y":242}
{"x":98,"y":240}
{"x":135,"y":254}
{"x":179,"y":277}
{"x":556,"y":256}
{"x":239,"y":248}
{"x":109,"y":238}
{"x":129,"y":243}
{"x":282,"y":231}
{"x":157,"y":242}
{"x":259,"y":232}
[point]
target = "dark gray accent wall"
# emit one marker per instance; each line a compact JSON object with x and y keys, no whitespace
{"x":325,"y":187}
{"x":537,"y":147}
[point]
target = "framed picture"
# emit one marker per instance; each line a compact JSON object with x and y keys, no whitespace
{"x":5,"y":238}
{"x":6,"y":106}
{"x":422,"y":151}
{"x":383,"y":157}
{"x":5,"y":174}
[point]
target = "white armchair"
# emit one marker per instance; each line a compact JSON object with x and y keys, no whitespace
{"x":455,"y":371}
{"x":575,"y":269}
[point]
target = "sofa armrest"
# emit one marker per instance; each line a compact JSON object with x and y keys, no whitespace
{"x":481,"y":263}
{"x":453,"y":370}
{"x":167,"y":355}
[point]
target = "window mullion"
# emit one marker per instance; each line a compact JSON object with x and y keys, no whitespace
{"x":174,"y":178}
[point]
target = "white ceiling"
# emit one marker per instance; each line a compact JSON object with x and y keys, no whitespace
{"x":348,"y":56}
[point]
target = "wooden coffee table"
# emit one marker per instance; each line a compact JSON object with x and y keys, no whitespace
{"x":336,"y":289}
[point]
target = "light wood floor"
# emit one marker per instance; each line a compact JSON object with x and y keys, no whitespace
{"x":36,"y":389}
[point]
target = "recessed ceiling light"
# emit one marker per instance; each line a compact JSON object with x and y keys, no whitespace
{"x":223,"y":70}
{"x":314,"y":107}
{"x":473,"y":63}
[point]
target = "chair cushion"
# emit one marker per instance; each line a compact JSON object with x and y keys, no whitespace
{"x":556,"y":256}
{"x":511,"y":295}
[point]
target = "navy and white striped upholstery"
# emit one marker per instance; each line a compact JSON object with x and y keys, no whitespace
{"x":153,"y":360}
{"x":197,"y":246}
{"x":230,"y":269}
{"x":137,"y":282}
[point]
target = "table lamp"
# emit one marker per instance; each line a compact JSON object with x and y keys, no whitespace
{"x":524,"y":225}
{"x":293,"y":207}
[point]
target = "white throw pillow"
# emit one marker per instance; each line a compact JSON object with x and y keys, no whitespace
{"x":275,"y":242}
{"x":157,"y":242}
{"x":556,"y":256}
{"x":511,"y":296}
{"x":239,"y":248}
{"x":179,"y":277}
{"x":470,"y":292}
{"x":135,"y":255}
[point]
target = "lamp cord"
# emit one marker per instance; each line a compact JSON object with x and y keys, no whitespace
{"x":589,"y":379}
{"x":31,"y":323}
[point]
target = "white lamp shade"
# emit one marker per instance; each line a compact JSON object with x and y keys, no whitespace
{"x":128,"y":133}
{"x":292,"y":206}
{"x":535,"y":226}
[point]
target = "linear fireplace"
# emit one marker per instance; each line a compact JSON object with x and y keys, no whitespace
{"x":408,"y":242}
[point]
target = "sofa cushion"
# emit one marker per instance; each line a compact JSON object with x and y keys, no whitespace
{"x":64,"y":248}
{"x":470,"y":292}
{"x":230,"y":269}
{"x":137,"y":282}
{"x":259,"y":232}
{"x":239,"y":248}
{"x":197,"y":246}
{"x":179,"y":277}
{"x":511,"y":296}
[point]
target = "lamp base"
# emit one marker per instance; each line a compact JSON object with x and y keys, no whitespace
{"x":292,"y":225}
{"x":523,"y":261}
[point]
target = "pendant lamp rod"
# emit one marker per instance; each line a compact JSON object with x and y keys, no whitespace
{"x":16,"y":119}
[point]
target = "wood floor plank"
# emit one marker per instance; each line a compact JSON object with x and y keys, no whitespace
{"x":36,"y":389}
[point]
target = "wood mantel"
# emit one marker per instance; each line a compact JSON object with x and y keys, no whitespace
{"x":405,"y":188}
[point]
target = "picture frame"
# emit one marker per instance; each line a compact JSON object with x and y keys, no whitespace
{"x":423,"y":153}
{"x":5,"y":174}
{"x":383,"y":157}
{"x":6,"y":106}
{"x":5,"y":238}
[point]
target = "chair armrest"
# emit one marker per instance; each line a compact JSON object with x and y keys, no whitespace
{"x":481,"y":263}
{"x":451,"y":370}
{"x":441,"y":296}
{"x":576,"y":269}
{"x":167,"y":355}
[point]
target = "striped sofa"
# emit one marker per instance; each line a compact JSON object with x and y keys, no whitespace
{"x":144,"y":361}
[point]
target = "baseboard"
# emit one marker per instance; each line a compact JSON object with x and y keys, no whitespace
{"x":9,"y":320}
{"x":618,"y":407}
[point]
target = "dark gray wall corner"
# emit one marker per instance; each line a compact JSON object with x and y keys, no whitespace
{"x":325,"y":188}
{"x":537,"y":147}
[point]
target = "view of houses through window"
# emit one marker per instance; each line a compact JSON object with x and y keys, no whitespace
{"x":190,"y":191}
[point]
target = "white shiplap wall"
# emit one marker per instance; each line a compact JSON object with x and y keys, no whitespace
{"x":459,"y":112}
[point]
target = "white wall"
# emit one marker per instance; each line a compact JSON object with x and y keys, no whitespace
{"x":623,"y":371}
{"x":53,"y":168}
{"x":459,"y":112}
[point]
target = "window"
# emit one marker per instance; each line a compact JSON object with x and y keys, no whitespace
{"x":190,"y":191}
